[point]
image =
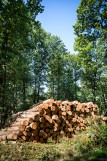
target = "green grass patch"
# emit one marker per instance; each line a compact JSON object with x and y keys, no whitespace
{"x":63,"y":151}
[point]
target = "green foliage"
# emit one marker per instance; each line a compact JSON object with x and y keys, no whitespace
{"x":91,"y":45}
{"x":95,"y":137}
{"x":18,"y":20}
{"x":56,"y":67}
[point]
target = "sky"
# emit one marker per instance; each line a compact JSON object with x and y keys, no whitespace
{"x":58,"y":18}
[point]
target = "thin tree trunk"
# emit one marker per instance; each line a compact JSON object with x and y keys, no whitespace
{"x":24,"y":94}
{"x":94,"y":88}
{"x":38,"y":93}
{"x":34,"y":101}
{"x":75,"y":88}
{"x":103,"y":96}
{"x":3,"y":77}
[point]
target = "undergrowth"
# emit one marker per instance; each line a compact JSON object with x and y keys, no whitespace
{"x":86,"y":146}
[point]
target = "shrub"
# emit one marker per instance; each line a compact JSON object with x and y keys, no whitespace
{"x":94,"y":137}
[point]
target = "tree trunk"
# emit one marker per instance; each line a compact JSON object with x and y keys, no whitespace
{"x":75,"y":88}
{"x":38,"y":93}
{"x":24,"y":94}
{"x":3,"y":77}
{"x":34,"y":92}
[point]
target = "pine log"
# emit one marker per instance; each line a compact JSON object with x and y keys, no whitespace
{"x":82,"y":109}
{"x":82,"y":115}
{"x":54,"y":112}
{"x":58,"y":103}
{"x":55,"y":117}
{"x":64,"y":113}
{"x":43,"y":134}
{"x":69,"y":117}
{"x":3,"y":138}
{"x":69,"y":113}
{"x":14,"y":128}
{"x":63,"y":109}
{"x":35,"y":132}
{"x":73,"y":107}
{"x":42,"y":125}
{"x":87,"y":110}
{"x":48,"y":118}
{"x":74,"y":119}
{"x":75,"y":102}
{"x":28,"y":128}
{"x":25,"y":138}
{"x":30,"y":112}
{"x":31,"y":120}
{"x":58,"y":121}
{"x":61,"y":133}
{"x":68,"y":107}
{"x":22,"y":127}
{"x":70,"y":129}
{"x":27,"y":133}
{"x":36,"y":138}
{"x":35,"y":141}
{"x":40,"y":108}
{"x":55,"y":133}
{"x":49,"y":101}
{"x":21,"y":120}
{"x":82,"y":124}
{"x":65,"y":103}
{"x":89,"y":104}
{"x":47,"y":130}
{"x":28,"y":115}
{"x":53,"y":108}
{"x":42,"y":119}
{"x":12,"y":136}
{"x":56,"y":127}
{"x":37,"y":117}
{"x":34,"y":125}
{"x":31,"y":138}
{"x":26,"y":122}
{"x":45,"y":105}
{"x":77,"y":128}
{"x":48,"y":111}
{"x":48,"y":125}
{"x":80,"y":119}
{"x":63,"y":118}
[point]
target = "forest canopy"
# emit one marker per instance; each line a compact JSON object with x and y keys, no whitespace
{"x":35,"y":65}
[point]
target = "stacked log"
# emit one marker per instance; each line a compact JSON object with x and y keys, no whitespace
{"x":50,"y":119}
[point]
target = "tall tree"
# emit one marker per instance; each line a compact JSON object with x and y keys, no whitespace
{"x":40,"y":63}
{"x":17,"y":21}
{"x":91,"y":44}
{"x":56,"y":65}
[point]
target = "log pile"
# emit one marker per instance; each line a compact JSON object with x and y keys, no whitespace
{"x":50,"y":119}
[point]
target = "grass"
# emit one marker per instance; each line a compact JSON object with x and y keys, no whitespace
{"x":63,"y":151}
{"x":28,"y":152}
